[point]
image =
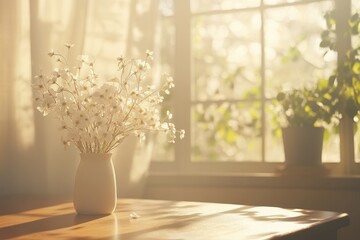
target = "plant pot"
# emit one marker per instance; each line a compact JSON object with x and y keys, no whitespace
{"x":95,"y":184}
{"x":303,"y":145}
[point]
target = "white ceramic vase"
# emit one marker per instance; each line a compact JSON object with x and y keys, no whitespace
{"x":95,"y":184}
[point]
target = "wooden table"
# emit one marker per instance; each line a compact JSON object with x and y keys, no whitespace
{"x":53,"y":218}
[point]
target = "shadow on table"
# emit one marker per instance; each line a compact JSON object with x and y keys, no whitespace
{"x":17,"y":203}
{"x":47,"y":224}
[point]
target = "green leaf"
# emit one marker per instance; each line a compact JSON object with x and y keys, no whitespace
{"x":332,"y":79}
{"x":325,"y":34}
{"x":354,"y":17}
{"x":322,"y":84}
{"x":356,"y":68}
{"x":280,"y":96}
{"x":231,"y":136}
{"x":325,"y":43}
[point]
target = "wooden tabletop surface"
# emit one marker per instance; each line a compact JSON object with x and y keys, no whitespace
{"x":53,"y":218}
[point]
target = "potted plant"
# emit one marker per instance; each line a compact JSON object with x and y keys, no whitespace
{"x":303,"y":114}
{"x":305,"y":111}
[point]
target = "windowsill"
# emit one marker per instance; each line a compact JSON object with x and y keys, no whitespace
{"x":254,"y":180}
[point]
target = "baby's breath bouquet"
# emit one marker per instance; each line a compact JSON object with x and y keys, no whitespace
{"x":96,"y":114}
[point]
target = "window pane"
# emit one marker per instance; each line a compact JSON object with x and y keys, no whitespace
{"x":331,"y":146}
{"x":209,"y":5}
{"x":167,"y":7}
{"x":226,"y":132}
{"x":355,"y":5}
{"x":167,"y":45}
{"x":293,"y":55}
{"x":226,"y":55}
{"x":274,"y":151}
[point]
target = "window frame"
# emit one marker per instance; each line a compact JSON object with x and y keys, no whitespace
{"x":182,"y":100}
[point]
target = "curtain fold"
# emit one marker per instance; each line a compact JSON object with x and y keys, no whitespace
{"x":32,"y":158}
{"x":53,"y":24}
{"x":16,"y":128}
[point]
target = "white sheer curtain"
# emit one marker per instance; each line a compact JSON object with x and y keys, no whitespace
{"x":32,"y":158}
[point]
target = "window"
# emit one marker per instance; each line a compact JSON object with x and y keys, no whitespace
{"x":228,"y":59}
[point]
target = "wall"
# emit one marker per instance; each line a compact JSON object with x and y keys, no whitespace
{"x":331,"y":194}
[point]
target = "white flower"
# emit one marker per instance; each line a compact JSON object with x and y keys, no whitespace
{"x":81,"y":119}
{"x":39,"y":84}
{"x":69,"y":45}
{"x":182,"y":134}
{"x":46,"y":103}
{"x":65,"y":142}
{"x":96,"y":115}
{"x":105,"y":94}
{"x":149,"y":54}
{"x":104,"y":134}
{"x":141,"y":136}
{"x":169,"y":115}
{"x":169,"y":80}
{"x":142,"y":66}
{"x":83,"y":58}
{"x":51,"y":53}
